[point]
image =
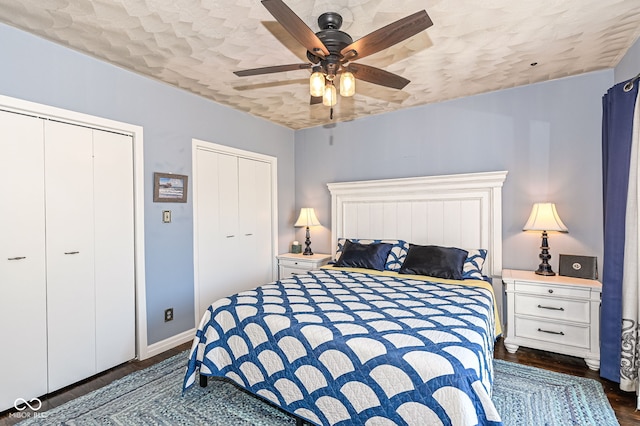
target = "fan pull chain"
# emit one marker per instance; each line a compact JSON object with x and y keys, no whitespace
{"x":331,"y":114}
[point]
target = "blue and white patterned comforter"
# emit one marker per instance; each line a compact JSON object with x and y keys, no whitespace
{"x":341,"y":347}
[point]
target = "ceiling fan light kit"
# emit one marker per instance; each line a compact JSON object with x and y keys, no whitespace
{"x":316,"y":82}
{"x":347,"y":84}
{"x":330,"y":97}
{"x":330,"y":51}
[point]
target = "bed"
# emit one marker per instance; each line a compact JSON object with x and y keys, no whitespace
{"x":375,"y":339}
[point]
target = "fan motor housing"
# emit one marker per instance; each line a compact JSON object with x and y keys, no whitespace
{"x":330,"y":34}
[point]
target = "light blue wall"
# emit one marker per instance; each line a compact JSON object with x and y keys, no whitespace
{"x":547,"y":135}
{"x":629,"y":66}
{"x":36,"y":70}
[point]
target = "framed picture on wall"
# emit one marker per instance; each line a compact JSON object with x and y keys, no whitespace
{"x":169,"y":188}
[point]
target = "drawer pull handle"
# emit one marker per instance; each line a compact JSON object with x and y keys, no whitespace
{"x":17,"y":258}
{"x":550,"y":290}
{"x":551,"y":332}
{"x":71,"y":252}
{"x":550,"y":307}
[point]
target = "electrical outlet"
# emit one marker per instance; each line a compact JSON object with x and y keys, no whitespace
{"x":168,"y":315}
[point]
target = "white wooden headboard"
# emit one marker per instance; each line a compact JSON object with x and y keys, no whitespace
{"x":462,"y":210}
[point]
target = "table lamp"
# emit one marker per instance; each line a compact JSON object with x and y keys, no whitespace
{"x":544,"y":217}
{"x":307,"y":218}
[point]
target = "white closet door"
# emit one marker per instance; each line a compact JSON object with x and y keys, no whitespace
{"x":70,"y":254}
{"x":23,"y":366}
{"x":208,"y":234}
{"x":255,"y":220}
{"x":228,"y":195}
{"x":233,"y":224}
{"x":247,"y":193}
{"x":228,"y":262}
{"x":265,"y":234}
{"x":114,"y":248}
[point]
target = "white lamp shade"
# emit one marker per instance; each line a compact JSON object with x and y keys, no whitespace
{"x":347,"y":84}
{"x":330,"y":95}
{"x":307,"y":218}
{"x":544,"y":217}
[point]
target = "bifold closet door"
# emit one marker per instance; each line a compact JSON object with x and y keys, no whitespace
{"x":255,"y":229}
{"x":207,"y":204}
{"x":114,"y":248}
{"x":23,"y":332}
{"x":71,"y":321}
{"x":233,"y":226}
{"x":219,"y":258}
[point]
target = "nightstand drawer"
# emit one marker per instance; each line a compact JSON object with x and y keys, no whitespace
{"x":291,"y":264}
{"x":553,"y":313}
{"x":295,"y":263}
{"x":552,"y":308}
{"x":561,"y":291}
{"x":286,"y":272}
{"x":562,"y":334}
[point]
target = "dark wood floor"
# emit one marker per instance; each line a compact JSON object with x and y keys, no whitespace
{"x":623,"y":403}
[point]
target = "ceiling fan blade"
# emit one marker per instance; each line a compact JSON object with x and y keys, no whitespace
{"x":387,"y":36}
{"x":296,"y":27}
{"x":378,"y":76}
{"x":315,"y":100}
{"x":271,"y":70}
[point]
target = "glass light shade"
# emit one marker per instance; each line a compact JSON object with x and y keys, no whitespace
{"x":307,"y":218}
{"x":316,"y":84}
{"x":347,"y":84}
{"x":544,"y":217}
{"x":330,"y":95}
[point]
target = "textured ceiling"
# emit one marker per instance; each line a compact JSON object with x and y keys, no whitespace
{"x":473,"y":46}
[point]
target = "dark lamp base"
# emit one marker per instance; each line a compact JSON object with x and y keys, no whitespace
{"x":307,"y":243}
{"x":544,"y":268}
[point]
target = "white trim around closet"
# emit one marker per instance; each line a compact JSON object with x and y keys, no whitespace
{"x":66,"y":116}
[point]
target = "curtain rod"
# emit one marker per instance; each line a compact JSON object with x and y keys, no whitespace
{"x":627,"y":87}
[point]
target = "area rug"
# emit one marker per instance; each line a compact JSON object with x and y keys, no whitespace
{"x":523,"y":396}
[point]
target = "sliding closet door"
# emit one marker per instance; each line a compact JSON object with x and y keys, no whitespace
{"x":114,"y":248}
{"x":23,"y":370}
{"x":70,"y":253}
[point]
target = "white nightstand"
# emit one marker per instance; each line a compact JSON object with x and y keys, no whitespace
{"x":290,"y":264}
{"x":557,"y":314}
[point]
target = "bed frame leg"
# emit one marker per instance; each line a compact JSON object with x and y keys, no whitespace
{"x":203,"y":381}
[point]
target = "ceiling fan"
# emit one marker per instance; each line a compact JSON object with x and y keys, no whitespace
{"x":330,"y":52}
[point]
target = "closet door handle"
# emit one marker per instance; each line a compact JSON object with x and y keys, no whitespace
{"x":550,"y":307}
{"x":230,"y":236}
{"x":248,"y":235}
{"x":17,"y":258}
{"x":71,"y":252}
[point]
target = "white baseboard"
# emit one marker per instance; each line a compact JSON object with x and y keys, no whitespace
{"x":166,"y":344}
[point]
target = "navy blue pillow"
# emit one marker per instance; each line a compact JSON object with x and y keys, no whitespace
{"x":369,"y":256}
{"x":434,"y":261}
